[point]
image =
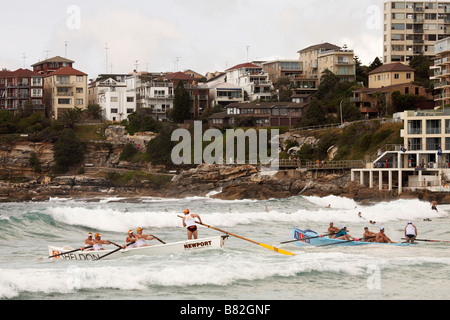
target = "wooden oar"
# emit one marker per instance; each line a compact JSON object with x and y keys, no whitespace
{"x":426,"y":240}
{"x":120,"y":248}
{"x":308,"y":238}
{"x":158,"y":239}
{"x":57,"y":255}
{"x":354,"y":240}
{"x":287,"y":253}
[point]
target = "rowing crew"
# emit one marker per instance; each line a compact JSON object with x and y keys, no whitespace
{"x":369,"y":236}
{"x":138,"y":240}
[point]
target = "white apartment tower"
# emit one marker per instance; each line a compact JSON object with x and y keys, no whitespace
{"x":413,"y":27}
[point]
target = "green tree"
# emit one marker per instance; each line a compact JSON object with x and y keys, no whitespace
{"x":315,"y":114}
{"x":68,"y":150}
{"x":181,"y":104}
{"x":327,"y":82}
{"x":160,"y":148}
{"x":71,"y":117}
{"x":422,"y":65}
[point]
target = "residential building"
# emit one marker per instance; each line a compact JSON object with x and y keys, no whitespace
{"x":65,"y":89}
{"x":194,"y":74}
{"x":373,"y":102}
{"x":441,"y":72}
{"x":252,"y":79}
{"x":110,"y":92}
{"x":222,"y":93}
{"x":19,"y":87}
{"x":277,"y":69}
{"x":421,"y":162}
{"x":391,"y":74}
{"x":259,"y":114}
{"x":50,"y":65}
{"x":412,"y":28}
{"x":318,"y":58}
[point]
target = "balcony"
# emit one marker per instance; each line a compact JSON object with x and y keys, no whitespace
{"x":64,"y":84}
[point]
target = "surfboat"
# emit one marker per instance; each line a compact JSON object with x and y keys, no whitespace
{"x":161,"y":249}
{"x":311,"y":238}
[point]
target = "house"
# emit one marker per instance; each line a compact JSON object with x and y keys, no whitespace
{"x":253,"y":79}
{"x":19,"y":87}
{"x":110,"y":92}
{"x":65,"y":89}
{"x":391,"y":74}
{"x":260,"y":114}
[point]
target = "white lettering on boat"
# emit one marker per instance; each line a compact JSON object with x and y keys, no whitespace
{"x":196,"y":245}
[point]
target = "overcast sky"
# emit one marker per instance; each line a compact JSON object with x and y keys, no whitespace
{"x":172,"y":35}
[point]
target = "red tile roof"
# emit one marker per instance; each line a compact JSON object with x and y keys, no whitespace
{"x":66,"y":71}
{"x":179,"y":76}
{"x":244,"y":65}
{"x":398,"y":66}
{"x":25,"y":73}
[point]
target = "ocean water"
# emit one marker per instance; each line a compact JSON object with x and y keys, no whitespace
{"x":240,"y":271}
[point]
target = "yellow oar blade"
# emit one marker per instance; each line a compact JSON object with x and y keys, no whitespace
{"x":286,"y":253}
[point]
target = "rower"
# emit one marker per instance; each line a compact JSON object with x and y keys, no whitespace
{"x":130,"y":239}
{"x":382,"y":238}
{"x":89,"y":243}
{"x":140,"y":238}
{"x":190,"y":224}
{"x":332,"y":231}
{"x":368,"y":236}
{"x":98,"y":242}
{"x":410,"y":232}
{"x":343,"y":235}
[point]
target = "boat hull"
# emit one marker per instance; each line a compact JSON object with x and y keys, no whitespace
{"x":162,"y":249}
{"x":312,"y":238}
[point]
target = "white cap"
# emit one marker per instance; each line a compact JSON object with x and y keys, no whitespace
{"x":409,"y":222}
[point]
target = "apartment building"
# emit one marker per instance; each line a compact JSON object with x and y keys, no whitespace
{"x":441,"y":72}
{"x":222,"y":93}
{"x":50,"y":65}
{"x":253,"y":79}
{"x":259,"y":114}
{"x":19,"y":87}
{"x":318,"y":58}
{"x":110,"y":92}
{"x":65,"y":89}
{"x":413,"y":27}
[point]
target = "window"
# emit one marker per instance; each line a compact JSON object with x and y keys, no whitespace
{"x":415,"y":127}
{"x":79,"y":90}
{"x":130,"y":99}
{"x":396,"y":76}
{"x":36,"y":93}
{"x":130,"y":111}
{"x":114,"y":99}
{"x":415,"y":144}
{"x":79,"y":101}
{"x":80,"y":78}
{"x":433,"y":126}
{"x":64,"y":101}
{"x":408,"y":76}
{"x":114,"y":110}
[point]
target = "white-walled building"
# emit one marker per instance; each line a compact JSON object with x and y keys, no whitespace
{"x":112,"y":94}
{"x":253,"y":79}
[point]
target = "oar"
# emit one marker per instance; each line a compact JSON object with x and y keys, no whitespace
{"x":308,"y":238}
{"x":120,"y":248}
{"x":426,"y":240}
{"x":158,"y":239}
{"x":354,"y":240}
{"x":287,"y":253}
{"x":57,"y":255}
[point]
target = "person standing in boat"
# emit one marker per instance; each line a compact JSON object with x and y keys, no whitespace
{"x":190,"y":224}
{"x":381,"y":237}
{"x":89,"y":243}
{"x":344,"y":235}
{"x":98,"y":242}
{"x":368,"y":236}
{"x":332,"y":231}
{"x":410,"y":232}
{"x":140,"y":238}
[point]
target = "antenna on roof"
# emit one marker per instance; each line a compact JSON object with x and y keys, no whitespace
{"x":65,"y":50}
{"x":24,"y":57}
{"x":248,"y":47}
{"x":106,"y":49}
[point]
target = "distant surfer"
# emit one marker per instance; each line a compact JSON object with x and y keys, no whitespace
{"x":359,"y":214}
{"x":434,"y":206}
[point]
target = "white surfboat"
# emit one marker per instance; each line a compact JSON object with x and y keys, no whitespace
{"x":161,"y":249}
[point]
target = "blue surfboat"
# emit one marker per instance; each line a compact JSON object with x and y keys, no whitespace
{"x":311,"y":238}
